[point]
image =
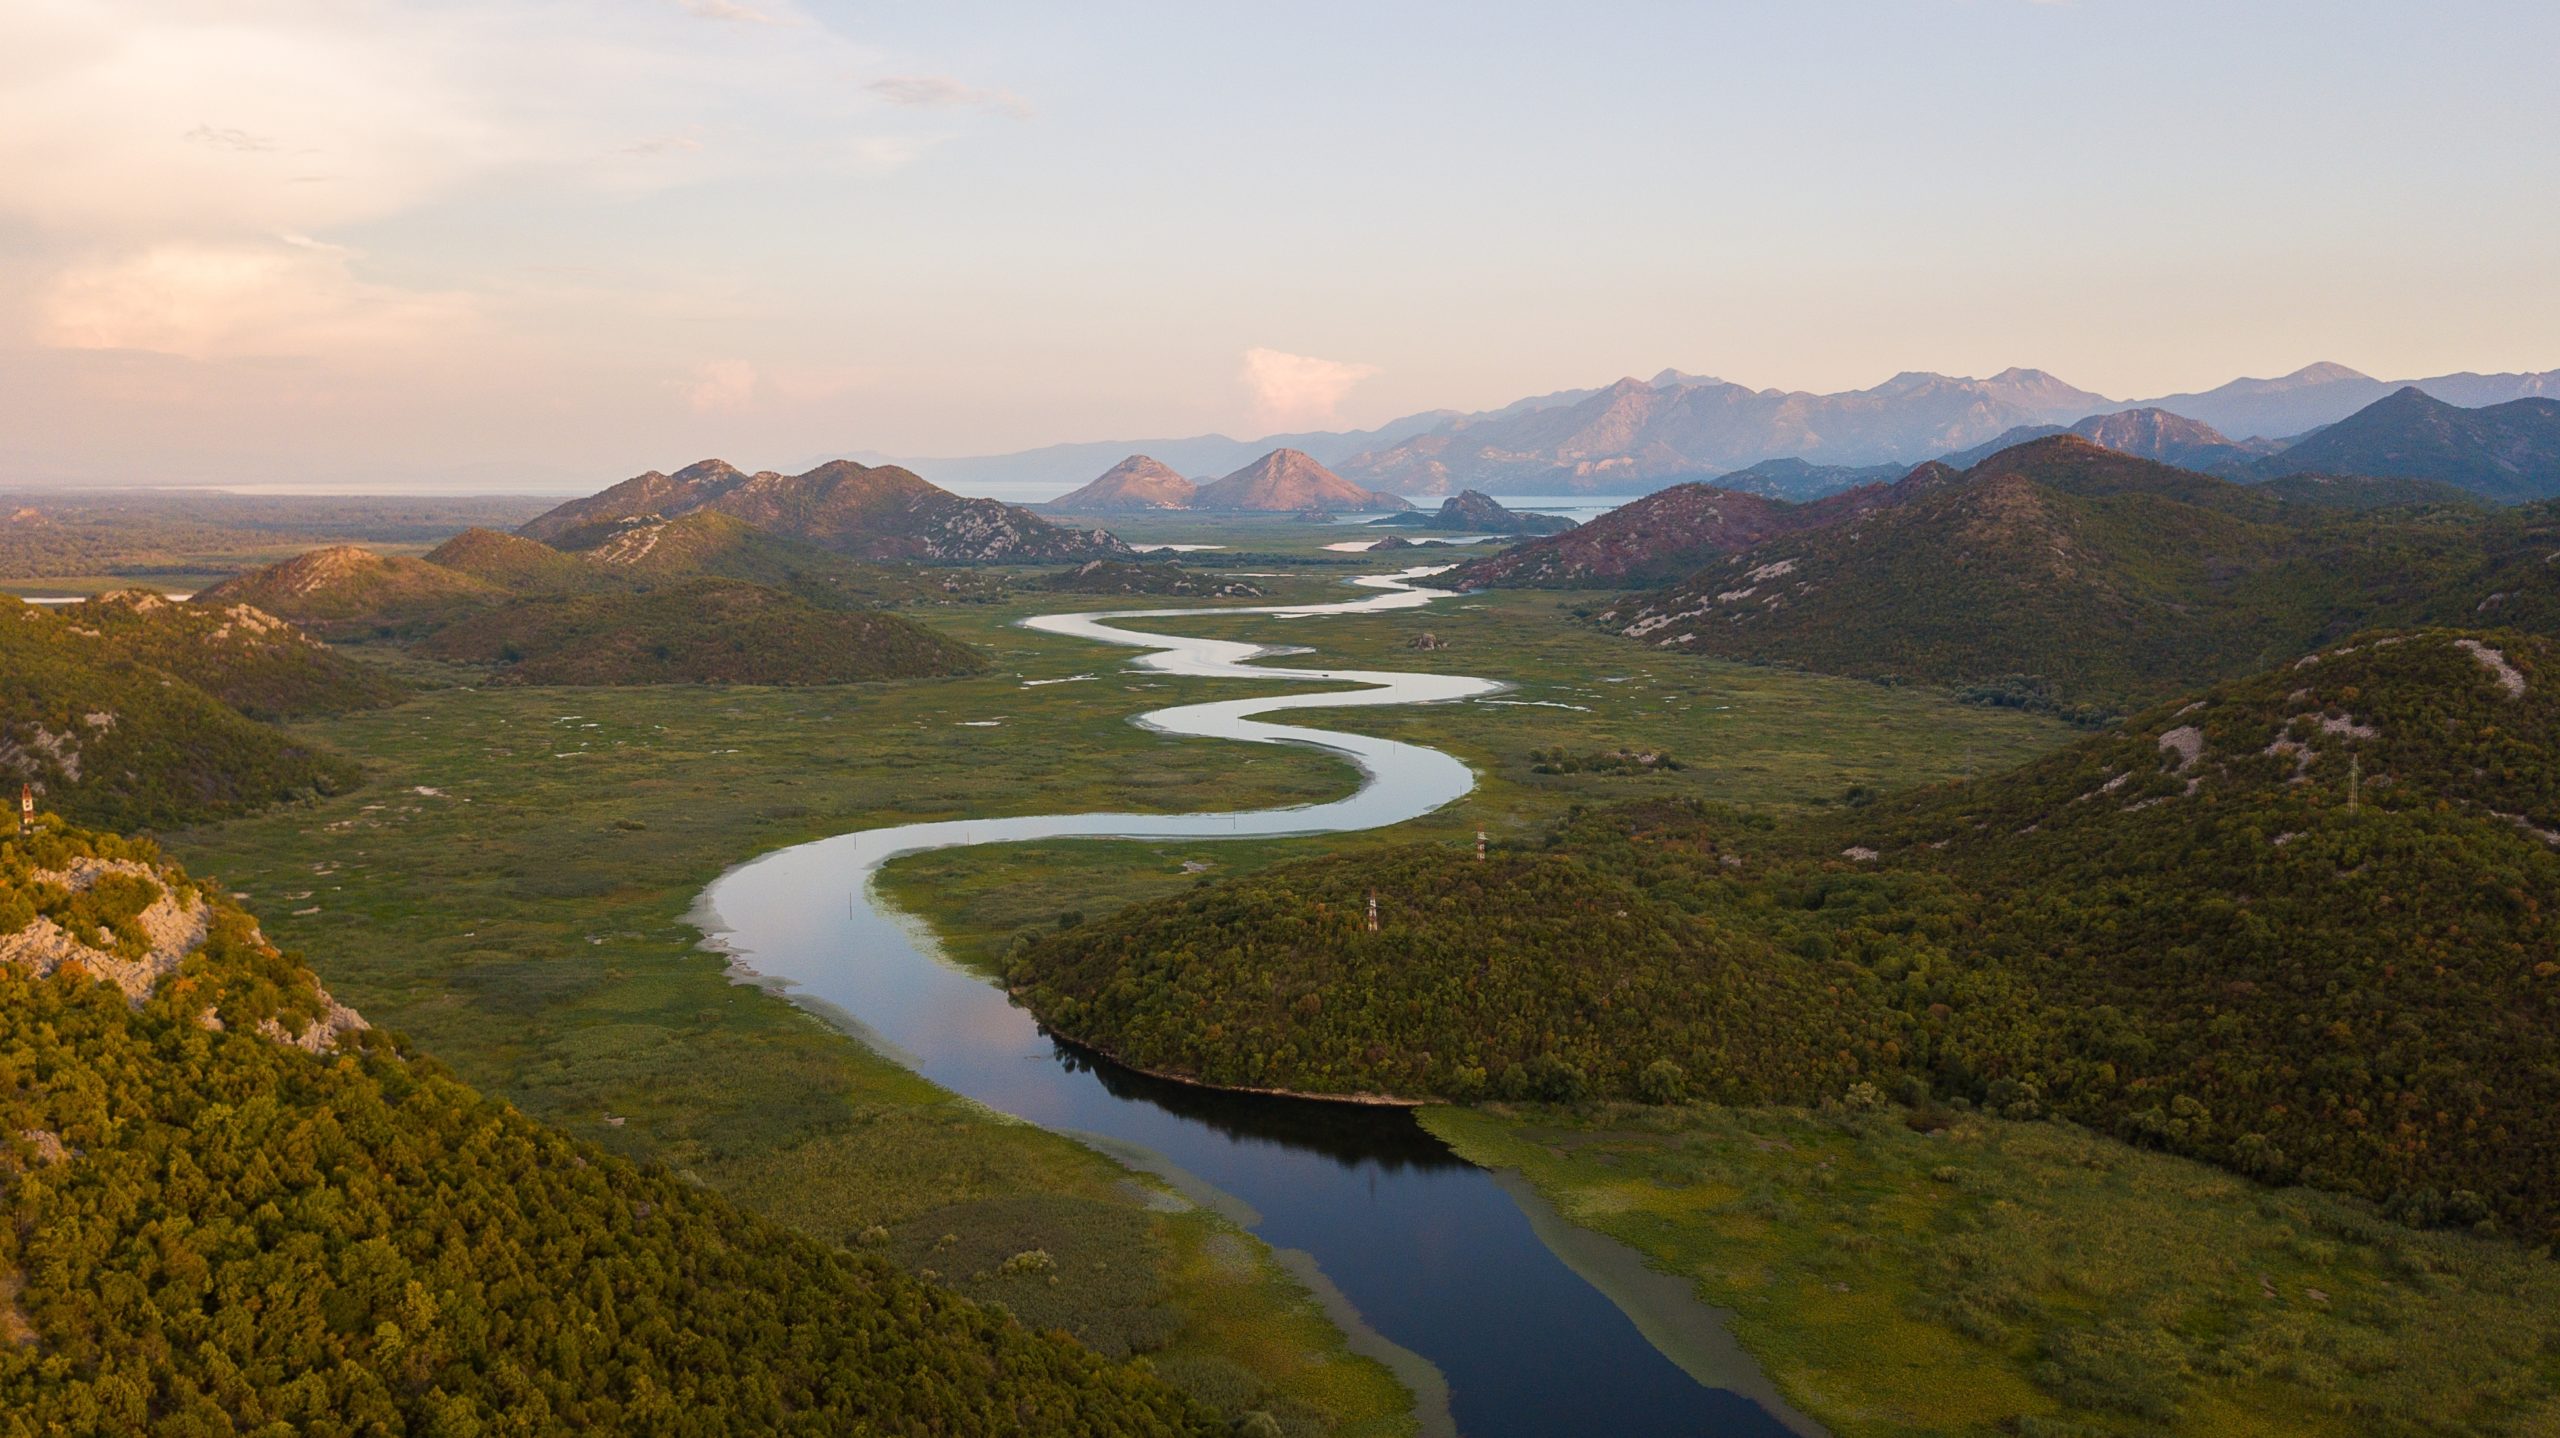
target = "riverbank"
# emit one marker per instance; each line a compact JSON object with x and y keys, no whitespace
{"x":2005,"y":1278}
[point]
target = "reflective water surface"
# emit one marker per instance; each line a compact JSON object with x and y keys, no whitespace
{"x":1437,"y":1258}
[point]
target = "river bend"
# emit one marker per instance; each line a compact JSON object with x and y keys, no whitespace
{"x":1439,"y":1262}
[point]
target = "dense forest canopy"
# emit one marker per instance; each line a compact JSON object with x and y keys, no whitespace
{"x":214,"y":1230}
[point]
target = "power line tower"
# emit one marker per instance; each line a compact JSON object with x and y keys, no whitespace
{"x":1479,"y":846}
{"x":1373,"y":911}
{"x":26,"y":808}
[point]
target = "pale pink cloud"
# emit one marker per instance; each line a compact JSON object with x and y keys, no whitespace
{"x":723,"y":386}
{"x":286,"y":296}
{"x":1298,"y":391}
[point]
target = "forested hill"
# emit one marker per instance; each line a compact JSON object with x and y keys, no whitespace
{"x":233,"y":1208}
{"x":2064,"y":575}
{"x":880,"y":513}
{"x":241,"y":655}
{"x":107,"y":736}
{"x":699,"y":599}
{"x":2303,"y":924}
{"x":698,"y":632}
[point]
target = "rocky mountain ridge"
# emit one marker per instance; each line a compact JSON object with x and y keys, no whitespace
{"x":880,"y":513}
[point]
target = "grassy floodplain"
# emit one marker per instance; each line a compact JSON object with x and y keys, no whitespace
{"x":510,"y":890}
{"x":1761,"y":737}
{"x":2037,"y":1279}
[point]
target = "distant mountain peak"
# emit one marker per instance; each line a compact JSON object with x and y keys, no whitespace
{"x":1288,"y":481}
{"x":1682,"y":379}
{"x":1136,"y":483}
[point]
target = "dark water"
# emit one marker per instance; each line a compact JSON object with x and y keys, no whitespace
{"x":1436,"y":1257}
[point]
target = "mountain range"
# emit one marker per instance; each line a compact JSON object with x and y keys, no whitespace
{"x":880,"y":513}
{"x":1638,"y":435}
{"x":2057,"y":575}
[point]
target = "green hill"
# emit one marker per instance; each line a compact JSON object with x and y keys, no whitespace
{"x":2363,"y":491}
{"x":241,"y":655}
{"x":109,"y":739}
{"x":344,"y":592}
{"x":701,"y":631}
{"x":2063,"y":575}
{"x":515,"y":563}
{"x":2504,"y":452}
{"x":707,"y":543}
{"x":2303,"y":924}
{"x":232,"y":1208}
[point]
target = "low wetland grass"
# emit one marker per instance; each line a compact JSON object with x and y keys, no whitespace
{"x":510,"y":890}
{"x":1999,"y":1277}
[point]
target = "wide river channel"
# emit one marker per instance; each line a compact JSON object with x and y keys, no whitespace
{"x":1436,"y":1266}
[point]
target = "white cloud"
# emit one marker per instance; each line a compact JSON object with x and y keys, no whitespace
{"x":288,"y":296}
{"x":735,"y":386}
{"x":725,"y":386}
{"x":942,"y":92}
{"x":152,"y":151}
{"x":1298,"y":391}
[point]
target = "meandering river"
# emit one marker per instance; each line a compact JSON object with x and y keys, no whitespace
{"x":1434,"y":1265}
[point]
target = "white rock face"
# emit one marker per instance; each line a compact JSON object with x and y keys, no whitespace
{"x":2496,"y":663}
{"x":175,"y":924}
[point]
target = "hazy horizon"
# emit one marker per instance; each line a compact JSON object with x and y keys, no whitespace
{"x":538,"y":247}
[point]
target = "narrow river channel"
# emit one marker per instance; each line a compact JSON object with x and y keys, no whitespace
{"x":1436,"y":1265}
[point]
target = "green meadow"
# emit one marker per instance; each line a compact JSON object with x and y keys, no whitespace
{"x":1765,"y":738}
{"x":510,"y":889}
{"x":2036,"y":1279}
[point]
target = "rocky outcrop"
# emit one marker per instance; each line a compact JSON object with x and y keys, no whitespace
{"x":159,"y":938}
{"x":1478,"y":513}
{"x":174,"y":924}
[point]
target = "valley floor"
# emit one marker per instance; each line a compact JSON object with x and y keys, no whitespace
{"x":514,"y":886}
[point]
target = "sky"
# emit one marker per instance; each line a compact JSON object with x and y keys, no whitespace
{"x":529,"y":244}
